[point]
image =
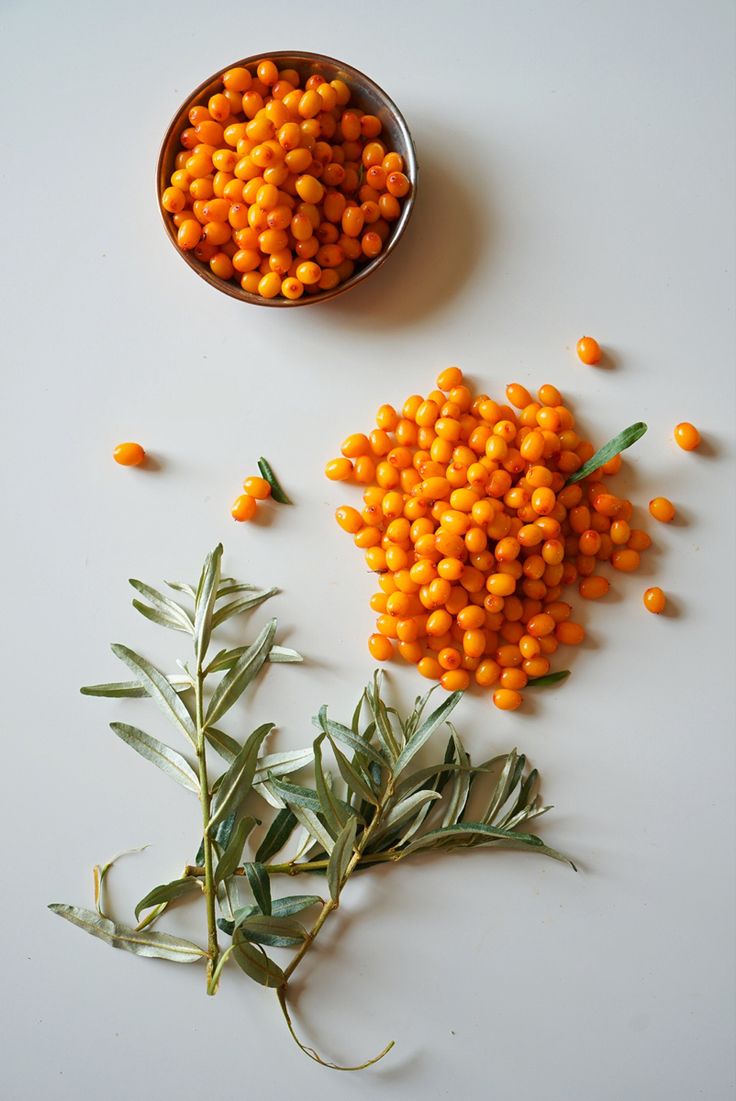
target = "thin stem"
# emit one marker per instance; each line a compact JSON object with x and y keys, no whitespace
{"x":290,"y":868}
{"x":213,"y":947}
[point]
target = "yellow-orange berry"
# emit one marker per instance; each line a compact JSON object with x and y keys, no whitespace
{"x":244,"y":507}
{"x":662,"y":509}
{"x":349,"y":519}
{"x":129,"y":454}
{"x":589,"y":350}
{"x":507,"y":699}
{"x":686,"y":436}
{"x":257,"y":487}
{"x":655,"y":600}
{"x":381,"y":648}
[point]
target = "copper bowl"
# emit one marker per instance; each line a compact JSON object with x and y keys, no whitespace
{"x":366,"y":95}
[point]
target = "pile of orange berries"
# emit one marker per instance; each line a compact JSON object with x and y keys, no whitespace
{"x":283,"y":187}
{"x":474,"y":532}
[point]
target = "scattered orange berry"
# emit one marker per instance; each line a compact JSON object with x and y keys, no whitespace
{"x":129,"y":454}
{"x":654,"y":600}
{"x":589,"y":350}
{"x":687,"y":436}
{"x":662,"y":509}
{"x":257,"y":487}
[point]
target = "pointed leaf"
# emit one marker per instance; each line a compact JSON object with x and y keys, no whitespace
{"x":340,"y":857}
{"x":205,"y":602}
{"x":353,"y":778}
{"x":165,"y":758}
{"x":226,"y":746}
{"x":345,"y":736}
{"x":404,"y":810}
{"x":131,"y":689}
{"x":282,"y":764}
{"x":233,"y":851}
{"x":425,"y":731}
{"x":503,"y":786}
{"x":254,"y":961}
{"x":260,"y":885}
{"x":277,"y":490}
{"x":296,"y":795}
{"x":180,"y":587}
{"x":281,"y":907}
{"x":609,"y":450}
{"x":313,"y":826}
{"x":238,"y":779}
{"x":237,"y":679}
{"x":470,"y":832}
{"x":140,"y":943}
{"x":160,"y":618}
{"x":548,"y":679}
{"x":332,"y":811}
{"x":165,"y":605}
{"x":236,"y":607}
{"x":227,"y":658}
{"x":276,"y":932}
{"x":277,"y":835}
{"x":167,"y":892}
{"x":159,"y":690}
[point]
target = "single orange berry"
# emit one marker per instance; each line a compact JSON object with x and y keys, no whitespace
{"x":129,"y":454}
{"x":654,"y":600}
{"x":380,"y":647}
{"x":662,"y":509}
{"x":244,"y":508}
{"x":589,"y":350}
{"x":507,"y":699}
{"x":686,"y":436}
{"x":257,"y":487}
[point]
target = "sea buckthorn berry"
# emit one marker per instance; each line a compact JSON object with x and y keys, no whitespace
{"x":292,"y":288}
{"x":430,"y":668}
{"x":189,"y":234}
{"x":349,"y":519}
{"x":569,"y":633}
{"x":397,"y":184}
{"x":449,"y":378}
{"x":244,"y":508}
{"x":662,"y":509}
{"x":593,"y":587}
{"x":455,"y":680}
{"x":688,"y":438}
{"x":356,"y":444}
{"x":513,"y":678}
{"x":507,"y":699}
{"x":639,"y":540}
{"x":589,"y":350}
{"x":518,"y":395}
{"x":625,"y":560}
{"x":654,"y":598}
{"x":237,"y":79}
{"x":380,"y":647}
{"x":129,"y":454}
{"x":620,"y":532}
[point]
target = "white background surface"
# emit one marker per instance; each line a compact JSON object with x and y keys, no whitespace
{"x":578,"y":172}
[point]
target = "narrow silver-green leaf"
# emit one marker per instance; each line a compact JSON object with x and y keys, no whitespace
{"x":254,"y":962}
{"x":282,"y":764}
{"x":296,"y":795}
{"x":237,"y":607}
{"x":132,"y":689}
{"x":460,"y":783}
{"x":405,"y":809}
{"x":233,"y":851}
{"x":205,"y":601}
{"x":273,"y":931}
{"x":345,"y":736}
{"x":228,"y":587}
{"x":470,"y":831}
{"x":237,"y":679}
{"x":313,"y":826}
{"x":380,"y":717}
{"x":548,"y":679}
{"x":180,"y":587}
{"x":227,"y":658}
{"x":226,"y":746}
{"x":425,"y":731}
{"x":340,"y":857}
{"x":164,"y":604}
{"x":167,"y":892}
{"x":159,"y":690}
{"x":281,"y":907}
{"x":334,"y":815}
{"x":163,"y":756}
{"x":142,"y":942}
{"x":238,"y":779}
{"x":503,"y":787}
{"x":159,"y":618}
{"x":277,"y":835}
{"x":609,"y":450}
{"x":355,"y":781}
{"x":260,"y":885}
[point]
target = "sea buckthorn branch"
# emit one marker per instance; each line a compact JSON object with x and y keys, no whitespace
{"x":215,"y":600}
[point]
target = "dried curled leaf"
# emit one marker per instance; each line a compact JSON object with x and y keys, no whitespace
{"x":140,"y":943}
